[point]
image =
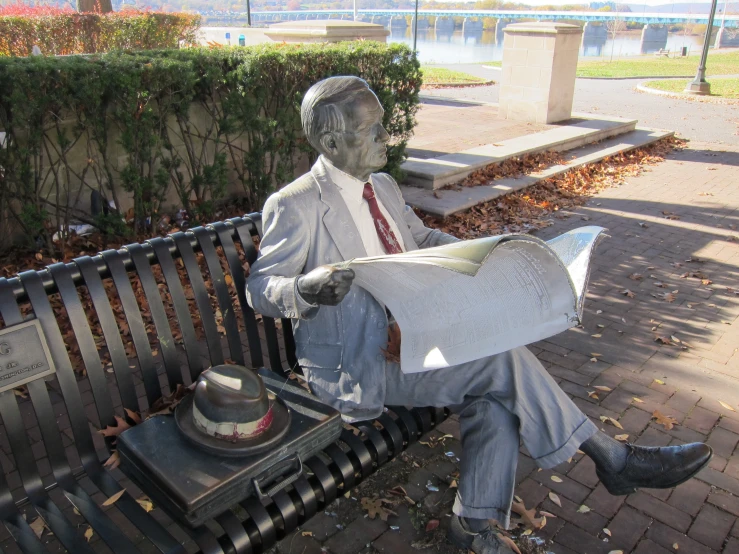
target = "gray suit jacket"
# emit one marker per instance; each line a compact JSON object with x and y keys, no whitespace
{"x":307,"y":224}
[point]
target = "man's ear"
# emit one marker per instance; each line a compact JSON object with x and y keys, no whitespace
{"x":328,"y":143}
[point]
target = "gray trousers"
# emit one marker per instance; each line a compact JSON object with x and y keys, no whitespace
{"x":500,"y":400}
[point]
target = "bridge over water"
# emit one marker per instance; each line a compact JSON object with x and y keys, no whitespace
{"x":635,"y":17}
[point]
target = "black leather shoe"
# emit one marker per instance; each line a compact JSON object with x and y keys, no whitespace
{"x":656,"y":467}
{"x":485,"y":542}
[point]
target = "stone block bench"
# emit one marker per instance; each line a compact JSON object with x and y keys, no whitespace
{"x":56,"y":494}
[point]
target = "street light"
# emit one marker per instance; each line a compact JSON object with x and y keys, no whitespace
{"x":699,"y":85}
{"x":415,"y":29}
{"x":248,"y":13}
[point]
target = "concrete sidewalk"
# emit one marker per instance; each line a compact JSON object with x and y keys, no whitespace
{"x":678,"y":218}
{"x":692,"y":119}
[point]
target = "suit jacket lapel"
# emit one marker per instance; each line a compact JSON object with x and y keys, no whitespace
{"x":337,"y":218}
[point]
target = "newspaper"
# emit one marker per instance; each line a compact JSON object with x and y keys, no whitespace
{"x":471,"y":299}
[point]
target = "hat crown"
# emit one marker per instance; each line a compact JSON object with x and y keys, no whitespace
{"x":231,"y":394}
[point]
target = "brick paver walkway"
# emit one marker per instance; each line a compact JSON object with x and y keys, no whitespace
{"x":700,"y":186}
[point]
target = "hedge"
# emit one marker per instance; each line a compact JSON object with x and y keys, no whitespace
{"x":129,"y":117}
{"x":63,"y":33}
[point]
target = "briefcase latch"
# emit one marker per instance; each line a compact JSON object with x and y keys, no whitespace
{"x":287,"y":462}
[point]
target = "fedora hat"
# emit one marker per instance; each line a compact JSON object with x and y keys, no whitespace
{"x":231,"y":413}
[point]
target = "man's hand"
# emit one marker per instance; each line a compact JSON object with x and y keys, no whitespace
{"x":325,"y":285}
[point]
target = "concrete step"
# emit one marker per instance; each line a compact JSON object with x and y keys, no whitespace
{"x":436,"y":173}
{"x":452,"y":201}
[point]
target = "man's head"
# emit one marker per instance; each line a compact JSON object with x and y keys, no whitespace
{"x":342,"y":119}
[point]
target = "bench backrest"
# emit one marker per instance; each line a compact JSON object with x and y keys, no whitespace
{"x":121,"y":333}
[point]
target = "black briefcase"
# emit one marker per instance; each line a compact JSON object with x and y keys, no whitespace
{"x":193,"y":485}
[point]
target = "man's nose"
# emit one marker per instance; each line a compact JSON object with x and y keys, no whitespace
{"x":382,"y":135}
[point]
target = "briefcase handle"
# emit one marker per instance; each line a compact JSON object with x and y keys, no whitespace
{"x":282,"y":484}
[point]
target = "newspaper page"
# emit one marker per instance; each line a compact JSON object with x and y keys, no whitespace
{"x":471,"y":299}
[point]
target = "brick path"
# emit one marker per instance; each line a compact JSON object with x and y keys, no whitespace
{"x":699,"y":517}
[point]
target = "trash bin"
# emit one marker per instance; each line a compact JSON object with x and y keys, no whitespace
{"x":228,"y":38}
{"x":684,"y":51}
{"x":242,"y":40}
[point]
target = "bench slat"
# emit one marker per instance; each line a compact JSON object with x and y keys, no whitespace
{"x":167,"y":345}
{"x":202,"y":298}
{"x":236,"y":533}
{"x":218,"y":280}
{"x":136,"y":326}
{"x":182,"y":310}
{"x":225,"y":238}
{"x":111,"y":333}
{"x":86,"y":343}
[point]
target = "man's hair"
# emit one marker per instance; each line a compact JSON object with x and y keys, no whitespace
{"x":322,"y":108}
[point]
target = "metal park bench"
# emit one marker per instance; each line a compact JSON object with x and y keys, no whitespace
{"x":51,"y":453}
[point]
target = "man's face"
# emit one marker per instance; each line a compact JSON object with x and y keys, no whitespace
{"x":362,"y":148}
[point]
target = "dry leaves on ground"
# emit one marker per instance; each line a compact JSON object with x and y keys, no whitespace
{"x":377,"y":507}
{"x":528,"y":516}
{"x":668,"y":422}
{"x":531,"y":208}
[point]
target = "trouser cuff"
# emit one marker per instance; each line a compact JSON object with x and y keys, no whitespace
{"x":586,"y":430}
{"x":503,"y":517}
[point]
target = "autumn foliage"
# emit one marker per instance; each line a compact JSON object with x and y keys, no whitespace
{"x":62,"y":31}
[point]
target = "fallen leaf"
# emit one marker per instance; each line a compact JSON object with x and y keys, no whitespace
{"x":595,"y":355}
{"x":593,"y":359}
{"x":675,"y":546}
{"x":38,"y":526}
{"x":431,"y":525}
{"x":662,"y":340}
{"x":659,"y":381}
{"x":607,"y":531}
{"x":638,"y":400}
{"x":616,"y":552}
{"x":547,"y":514}
{"x":592,"y":393}
{"x":554,"y":498}
{"x":727,"y":406}
{"x":89,"y":533}
{"x":583,"y":509}
{"x":608,"y":419}
{"x":509,"y":542}
{"x":667,"y":421}
{"x":113,"y":499}
{"x":146,"y":503}
{"x":596,"y":336}
{"x":556,"y":479}
{"x":602,"y":388}
{"x":622,"y":438}
{"x":627,"y":292}
{"x":636,"y":276}
{"x":307,"y":533}
{"x":375,"y":507}
{"x":528,"y":516}
{"x":114,"y":461}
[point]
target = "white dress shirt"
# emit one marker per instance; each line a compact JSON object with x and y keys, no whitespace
{"x":351,"y":190}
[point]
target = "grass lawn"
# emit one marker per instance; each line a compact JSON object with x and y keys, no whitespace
{"x":724,"y":88}
{"x":648,"y":66}
{"x":441,"y":76}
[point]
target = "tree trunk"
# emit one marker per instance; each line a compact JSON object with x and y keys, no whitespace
{"x":96,"y":6}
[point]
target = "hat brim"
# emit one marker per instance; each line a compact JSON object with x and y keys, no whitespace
{"x":234,"y":449}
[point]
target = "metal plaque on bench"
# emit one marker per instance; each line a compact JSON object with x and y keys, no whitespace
{"x":24,"y":355}
{"x":194,"y":485}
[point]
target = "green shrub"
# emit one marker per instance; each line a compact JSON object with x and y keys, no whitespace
{"x":65,"y":33}
{"x":130,"y":116}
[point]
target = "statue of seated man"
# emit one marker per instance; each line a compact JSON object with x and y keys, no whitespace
{"x":341,"y":210}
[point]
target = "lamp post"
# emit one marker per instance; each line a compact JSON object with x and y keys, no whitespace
{"x":355,"y":10}
{"x":699,"y":85}
{"x":415,"y":29}
{"x":248,"y":13}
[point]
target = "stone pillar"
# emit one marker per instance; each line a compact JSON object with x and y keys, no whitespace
{"x":653,"y":38}
{"x":500,"y":26}
{"x":423,"y":24}
{"x":470,"y":25}
{"x":539,"y":67}
{"x":444,"y":25}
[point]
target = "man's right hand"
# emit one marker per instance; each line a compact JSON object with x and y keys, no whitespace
{"x":325,"y":285}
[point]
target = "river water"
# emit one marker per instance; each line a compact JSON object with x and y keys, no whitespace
{"x":475,"y":47}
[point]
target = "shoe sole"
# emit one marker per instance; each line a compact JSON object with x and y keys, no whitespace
{"x":631,"y":490}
